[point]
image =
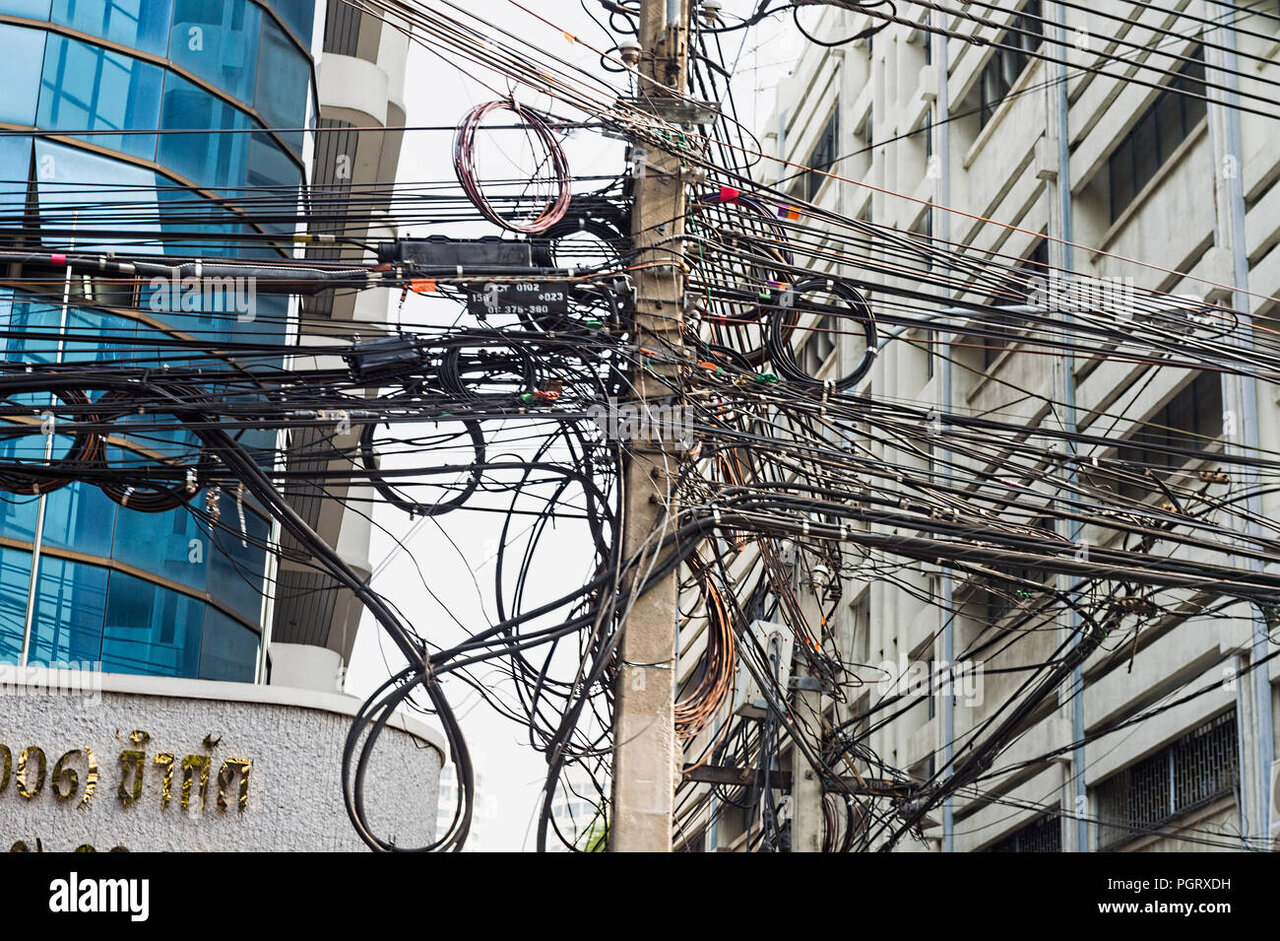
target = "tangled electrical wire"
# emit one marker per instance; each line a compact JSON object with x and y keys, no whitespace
{"x":553,"y":209}
{"x":792,"y":477}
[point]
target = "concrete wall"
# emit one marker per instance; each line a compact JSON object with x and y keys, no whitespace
{"x":294,"y":739}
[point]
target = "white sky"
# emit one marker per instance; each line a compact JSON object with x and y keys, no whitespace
{"x":437,"y":93}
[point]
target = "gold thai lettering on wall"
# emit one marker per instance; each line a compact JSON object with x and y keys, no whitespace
{"x":30,"y":773}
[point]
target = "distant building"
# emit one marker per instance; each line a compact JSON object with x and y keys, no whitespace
{"x":1147,"y":170}
{"x":484,"y":814}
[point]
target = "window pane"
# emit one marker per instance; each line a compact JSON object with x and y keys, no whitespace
{"x":68,"y":199}
{"x":141,"y":24}
{"x":190,"y":215}
{"x":229,"y":650}
{"x":236,"y":571}
{"x":88,"y":88}
{"x":298,"y":15}
{"x":80,"y":517}
{"x":17,"y":512}
{"x":1030,"y":20}
{"x":1144,"y":149}
{"x":1120,"y":172}
{"x":284,"y":76}
{"x":31,"y":9}
{"x":218,"y":41}
{"x":70,"y":597}
{"x":268,"y":324}
{"x":209,"y":160}
{"x":150,"y":629}
{"x":1169,"y":130}
{"x":991,"y":92}
{"x":1191,"y":83}
{"x":160,"y":543}
{"x":1010,"y":68}
{"x":33,"y":324}
{"x":271,"y":167}
{"x":1193,"y":107}
{"x":15,"y":578}
{"x":15,"y":167}
{"x":20,"y":73}
{"x":1207,"y":392}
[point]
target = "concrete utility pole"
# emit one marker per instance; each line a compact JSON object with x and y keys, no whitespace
{"x":806,"y":707}
{"x":644,"y":751}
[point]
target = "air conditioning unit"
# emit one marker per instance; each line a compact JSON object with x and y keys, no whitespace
{"x":777,"y":641}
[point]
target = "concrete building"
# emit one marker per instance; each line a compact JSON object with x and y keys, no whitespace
{"x":187,"y":118}
{"x":484,"y":810}
{"x":360,"y":83}
{"x":1086,"y":154}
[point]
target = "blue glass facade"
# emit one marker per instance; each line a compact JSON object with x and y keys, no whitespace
{"x":120,"y":81}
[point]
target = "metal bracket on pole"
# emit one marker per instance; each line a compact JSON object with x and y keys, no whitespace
{"x":682,"y":111}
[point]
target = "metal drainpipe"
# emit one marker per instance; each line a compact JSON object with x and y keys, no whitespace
{"x":1067,"y":364}
{"x":942,"y":226}
{"x":1226,"y":100}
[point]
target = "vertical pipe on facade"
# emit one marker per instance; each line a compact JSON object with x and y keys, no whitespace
{"x":267,"y":610}
{"x":1066,"y":264}
{"x":1225,"y":98}
{"x":37,"y":540}
{"x":1239,"y":664}
{"x":942,"y":226}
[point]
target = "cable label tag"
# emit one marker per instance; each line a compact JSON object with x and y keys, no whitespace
{"x":515,"y":298}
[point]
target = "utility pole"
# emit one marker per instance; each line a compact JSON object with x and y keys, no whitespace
{"x":806,"y":709}
{"x":645,"y":757}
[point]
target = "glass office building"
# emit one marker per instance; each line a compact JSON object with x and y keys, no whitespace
{"x":95,"y":97}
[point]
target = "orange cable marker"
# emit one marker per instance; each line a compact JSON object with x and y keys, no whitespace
{"x":423,"y":285}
